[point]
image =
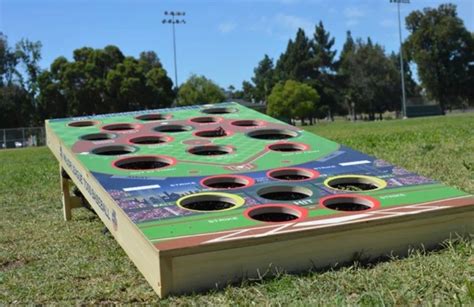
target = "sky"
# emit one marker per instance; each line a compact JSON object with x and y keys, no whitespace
{"x":222,"y":40}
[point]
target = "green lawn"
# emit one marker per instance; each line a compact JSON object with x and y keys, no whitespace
{"x":44,"y":259}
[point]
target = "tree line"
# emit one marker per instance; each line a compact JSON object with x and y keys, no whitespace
{"x":364,"y":79}
{"x":309,"y":80}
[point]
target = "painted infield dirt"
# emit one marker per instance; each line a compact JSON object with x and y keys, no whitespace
{"x":154,"y":197}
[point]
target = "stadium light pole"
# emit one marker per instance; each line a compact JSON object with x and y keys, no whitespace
{"x":175,"y":19}
{"x":402,"y":73}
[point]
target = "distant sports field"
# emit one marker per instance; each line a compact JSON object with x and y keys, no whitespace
{"x":44,"y":259}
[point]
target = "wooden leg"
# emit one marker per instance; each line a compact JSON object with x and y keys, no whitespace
{"x":66,"y":194}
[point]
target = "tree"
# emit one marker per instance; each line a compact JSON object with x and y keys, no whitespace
{"x":371,"y":78}
{"x":263,"y":78}
{"x":199,"y":90}
{"x":292,"y":99}
{"x":296,"y":62}
{"x":103,"y":81}
{"x":443,"y":50}
{"x":325,"y":80}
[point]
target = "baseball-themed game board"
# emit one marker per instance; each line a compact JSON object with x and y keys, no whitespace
{"x":202,"y":196}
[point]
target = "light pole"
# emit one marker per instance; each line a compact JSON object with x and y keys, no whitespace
{"x":402,"y":74}
{"x":174,"y":20}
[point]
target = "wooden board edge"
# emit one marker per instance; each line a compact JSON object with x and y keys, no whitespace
{"x":216,"y":269}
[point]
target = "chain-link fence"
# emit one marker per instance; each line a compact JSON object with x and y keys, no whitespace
{"x":22,"y":137}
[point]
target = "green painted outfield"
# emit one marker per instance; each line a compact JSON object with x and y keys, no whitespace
{"x":246,"y":147}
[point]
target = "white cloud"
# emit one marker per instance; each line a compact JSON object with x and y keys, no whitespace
{"x":292,"y":22}
{"x":227,"y":27}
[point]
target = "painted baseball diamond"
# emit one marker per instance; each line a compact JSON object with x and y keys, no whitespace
{"x":206,"y":174}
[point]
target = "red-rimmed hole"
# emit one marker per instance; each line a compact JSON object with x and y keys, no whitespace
{"x":204,"y":120}
{"x":149,"y":140}
{"x":82,"y":123}
{"x":214,"y":133}
{"x":173,"y":128}
{"x":227,"y":182}
{"x":153,"y":116}
{"x":276,"y":213}
{"x":144,"y":162}
{"x":349,"y":202}
{"x":292,"y":174}
{"x":287,"y":147}
{"x":246,"y":123}
{"x":120,"y":127}
{"x":210,"y":150}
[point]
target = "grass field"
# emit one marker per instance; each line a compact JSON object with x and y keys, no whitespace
{"x":44,"y":259}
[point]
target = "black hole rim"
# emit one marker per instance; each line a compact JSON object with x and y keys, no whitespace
{"x":143,"y":163}
{"x":204,"y":120}
{"x":149,"y":140}
{"x":246,"y":123}
{"x":82,"y":123}
{"x":153,"y":117}
{"x":348,"y":204}
{"x":355,"y":183}
{"x":96,"y":137}
{"x":215,"y":133}
{"x":220,"y":110}
{"x":287,"y":147}
{"x":274,"y":214}
{"x":285,"y":193}
{"x":173,"y":128}
{"x":210,"y":150}
{"x":113,"y":150}
{"x":120,"y":127}
{"x":291,"y":174}
{"x":272,"y":134}
{"x":226,"y":182}
{"x":208,"y":203}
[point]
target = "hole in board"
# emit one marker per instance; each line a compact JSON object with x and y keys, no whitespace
{"x":172,"y":128}
{"x":348,"y":203}
{"x":98,"y":137}
{"x":144,"y":163}
{"x":119,"y":127}
{"x":355,"y":183}
{"x":82,"y":123}
{"x":205,"y":202}
{"x":149,"y":140}
{"x":284,"y":193}
{"x":246,"y":123}
{"x":113,"y":150}
{"x":226,"y":182}
{"x":210,"y":150}
{"x":154,"y":116}
{"x":204,"y":120}
{"x":292,"y":174}
{"x":215,"y":133}
{"x":272,"y":134}
{"x":218,"y":110}
{"x":275,"y":213}
{"x":287,"y":147}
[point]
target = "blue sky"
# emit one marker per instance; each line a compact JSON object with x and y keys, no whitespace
{"x":223,"y":40}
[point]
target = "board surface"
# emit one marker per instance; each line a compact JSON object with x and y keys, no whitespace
{"x":205,"y":175}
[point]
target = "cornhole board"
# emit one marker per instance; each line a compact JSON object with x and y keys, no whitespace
{"x":202,"y":196}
